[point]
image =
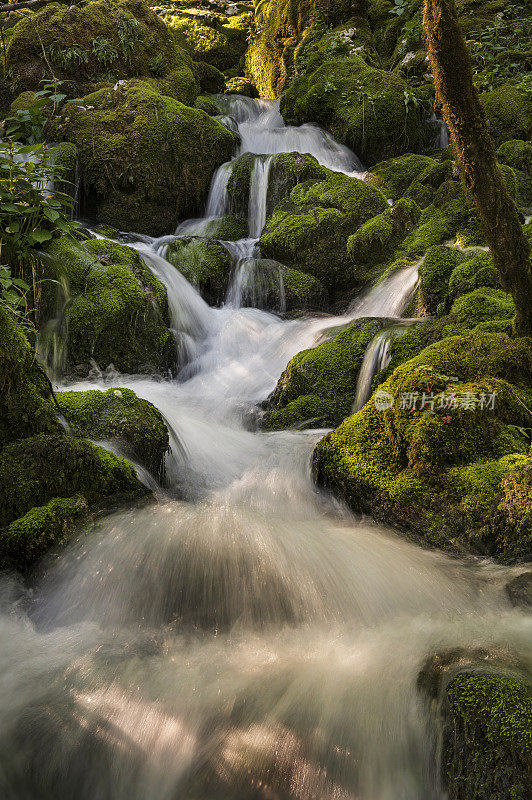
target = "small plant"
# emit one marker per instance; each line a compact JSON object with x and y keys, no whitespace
{"x":67,"y":57}
{"x":27,"y":124}
{"x":157,"y":65}
{"x":103,"y":50}
{"x":129,"y":32}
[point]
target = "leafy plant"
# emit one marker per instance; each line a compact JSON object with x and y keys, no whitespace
{"x":157,"y":65}
{"x":129,"y":32}
{"x":27,"y":124}
{"x":103,"y":50}
{"x":67,"y":57}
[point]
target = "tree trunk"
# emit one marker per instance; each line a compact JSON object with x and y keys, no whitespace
{"x":475,"y":152}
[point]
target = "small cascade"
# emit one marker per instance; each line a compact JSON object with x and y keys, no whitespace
{"x":442,"y":138}
{"x":389,"y":297}
{"x":258,"y":193}
{"x":376,"y":358}
{"x":188,"y":312}
{"x":257,"y":283}
{"x":218,"y":201}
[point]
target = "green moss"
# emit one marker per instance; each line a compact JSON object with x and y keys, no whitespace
{"x":301,"y":291}
{"x":516,"y":154}
{"x":85,"y":44}
{"x":373,"y":240}
{"x":117,"y":311}
{"x":286,"y":171}
{"x":309,"y":229}
{"x":218,"y":41}
{"x":240,"y":85}
{"x":204,"y":104}
{"x":26,"y":404}
{"x":509,"y":112}
{"x":363,"y":107}
{"x":394,"y":176}
{"x":483,"y":305}
{"x":118,"y":414}
{"x":23,"y":102}
{"x":145,"y":159}
{"x":435,"y":272}
{"x":27,"y":539}
{"x":475,"y":271}
{"x":204,"y":263}
{"x":39,"y":468}
{"x":239,"y":183}
{"x":328,"y":372}
{"x":488,"y":739}
{"x":406,"y":464}
{"x":210,"y":79}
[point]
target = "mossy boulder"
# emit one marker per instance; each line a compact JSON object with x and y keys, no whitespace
{"x":517,"y":154}
{"x":448,"y":460}
{"x":361,"y":106}
{"x":145,"y":160}
{"x":95,"y":42}
{"x":213,"y":38}
{"x":483,"y":305}
{"x":309,"y":229}
{"x":264,"y":283}
{"x":120,"y":416}
{"x":435,"y":272}
{"x":509,"y":113}
{"x":318,"y":387}
{"x":205,"y":263}
{"x":46,"y":481}
{"x":395,"y":175}
{"x":210,"y":79}
{"x":487,"y":742}
{"x":286,"y":171}
{"x":26,"y":402}
{"x":476,"y":270}
{"x":240,"y":85}
{"x":117,"y":311}
{"x":376,"y":239}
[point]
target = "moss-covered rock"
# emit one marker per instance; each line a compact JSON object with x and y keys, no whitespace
{"x":28,"y":538}
{"x":210,"y":79}
{"x":309,"y":229}
{"x":119,"y":415}
{"x":435,"y":272}
{"x":516,"y":154}
{"x":318,"y":387}
{"x":264,"y":283}
{"x":483,"y":305}
{"x":448,"y":460}
{"x":240,"y":85}
{"x":270,"y":54}
{"x":487,"y":748}
{"x":145,"y":159}
{"x":117,"y":311}
{"x":376,"y":239}
{"x":395,"y":175}
{"x":26,"y":403}
{"x":39,"y":469}
{"x":286,"y":171}
{"x":509,"y":112}
{"x":205,"y":263}
{"x":210,"y":37}
{"x":95,"y":42}
{"x":476,"y":270}
{"x":361,"y":106}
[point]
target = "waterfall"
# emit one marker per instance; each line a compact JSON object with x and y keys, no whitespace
{"x":218,"y":200}
{"x":242,"y":636}
{"x":376,"y":358}
{"x":258,"y":192}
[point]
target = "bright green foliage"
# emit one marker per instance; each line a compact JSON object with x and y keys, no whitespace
{"x":365,"y":108}
{"x":146,"y":158}
{"x":410,"y":464}
{"x":488,"y":737}
{"x":88,"y":43}
{"x":119,"y":415}
{"x":318,"y":387}
{"x":26,"y":405}
{"x":219,"y":40}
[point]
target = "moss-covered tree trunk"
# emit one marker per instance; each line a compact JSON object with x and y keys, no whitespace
{"x":474,"y":149}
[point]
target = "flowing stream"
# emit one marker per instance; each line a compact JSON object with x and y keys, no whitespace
{"x":242,"y":636}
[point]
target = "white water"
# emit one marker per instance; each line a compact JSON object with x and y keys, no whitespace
{"x":251,"y":639}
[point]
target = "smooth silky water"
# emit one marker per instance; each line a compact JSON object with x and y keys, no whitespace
{"x":251,"y":639}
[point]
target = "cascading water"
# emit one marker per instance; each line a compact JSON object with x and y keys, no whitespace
{"x":252,"y":639}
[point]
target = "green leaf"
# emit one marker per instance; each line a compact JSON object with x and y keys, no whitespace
{"x":40,"y":235}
